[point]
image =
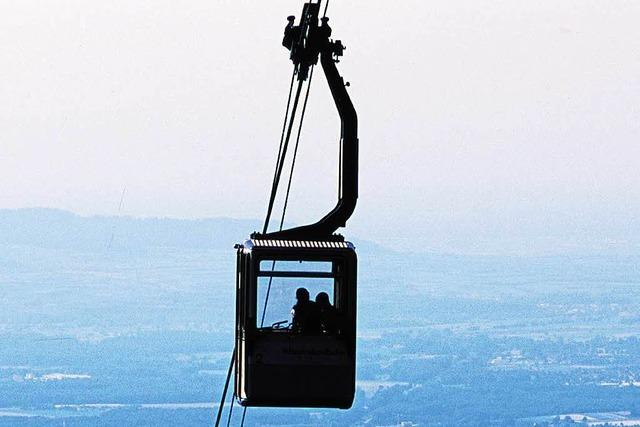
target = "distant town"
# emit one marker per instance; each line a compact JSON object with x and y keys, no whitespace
{"x":122,"y":321}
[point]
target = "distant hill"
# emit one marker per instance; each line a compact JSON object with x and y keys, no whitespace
{"x":59,"y":229}
{"x":53,"y":228}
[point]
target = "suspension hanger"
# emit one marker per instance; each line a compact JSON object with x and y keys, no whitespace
{"x":309,"y":42}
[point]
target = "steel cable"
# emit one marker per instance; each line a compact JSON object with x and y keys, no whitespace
{"x":282,"y":150}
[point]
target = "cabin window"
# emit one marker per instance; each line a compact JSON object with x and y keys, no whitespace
{"x":277,"y":283}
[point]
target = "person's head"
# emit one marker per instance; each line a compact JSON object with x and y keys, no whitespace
{"x":323,"y":299}
{"x":302,"y":295}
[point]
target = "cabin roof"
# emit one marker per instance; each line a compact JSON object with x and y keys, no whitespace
{"x":302,"y":244}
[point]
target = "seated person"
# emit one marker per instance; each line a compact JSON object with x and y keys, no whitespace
{"x":306,"y":316}
{"x":328,"y":314}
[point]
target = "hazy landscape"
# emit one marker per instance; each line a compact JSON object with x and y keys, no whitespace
{"x":123,"y":321}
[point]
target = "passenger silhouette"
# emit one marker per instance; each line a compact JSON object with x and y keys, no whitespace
{"x":306,"y":316}
{"x":328,"y":314}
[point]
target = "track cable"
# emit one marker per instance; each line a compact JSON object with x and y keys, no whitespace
{"x":280,"y":160}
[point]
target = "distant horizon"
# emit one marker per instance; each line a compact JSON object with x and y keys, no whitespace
{"x":352,"y":236}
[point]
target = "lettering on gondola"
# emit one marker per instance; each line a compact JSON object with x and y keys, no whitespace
{"x":313,"y":351}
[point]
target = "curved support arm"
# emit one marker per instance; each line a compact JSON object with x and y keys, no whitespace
{"x":348,"y":195}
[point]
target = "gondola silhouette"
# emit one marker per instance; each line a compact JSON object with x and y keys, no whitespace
{"x":277,"y":364}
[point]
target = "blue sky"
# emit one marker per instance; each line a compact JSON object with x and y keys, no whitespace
{"x":485,"y":127}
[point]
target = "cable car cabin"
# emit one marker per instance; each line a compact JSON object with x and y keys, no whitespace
{"x":296,"y":288}
{"x":302,"y":355}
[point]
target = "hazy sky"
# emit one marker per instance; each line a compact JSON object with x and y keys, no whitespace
{"x":485,"y":126}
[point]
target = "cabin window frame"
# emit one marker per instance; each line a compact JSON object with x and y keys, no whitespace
{"x":340,"y":286}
